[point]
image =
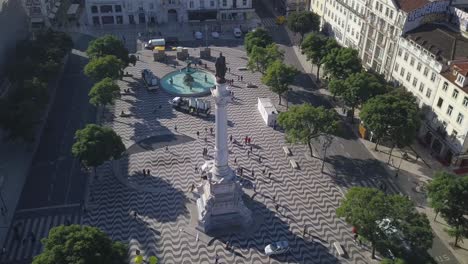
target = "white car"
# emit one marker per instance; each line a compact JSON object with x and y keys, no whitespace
{"x":237,"y":32}
{"x":214,"y":34}
{"x":198,"y":35}
{"x":277,"y":248}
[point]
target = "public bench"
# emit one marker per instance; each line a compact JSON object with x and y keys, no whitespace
{"x":287,"y":151}
{"x":294,"y":164}
{"x":339,"y":249}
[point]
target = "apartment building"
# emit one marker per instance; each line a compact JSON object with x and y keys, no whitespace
{"x":166,"y":11}
{"x":41,"y":12}
{"x":284,"y":7}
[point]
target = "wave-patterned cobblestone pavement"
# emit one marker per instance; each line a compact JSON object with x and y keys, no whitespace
{"x":163,"y":204}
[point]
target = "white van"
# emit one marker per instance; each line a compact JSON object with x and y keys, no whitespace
{"x":152,"y":43}
{"x":237,"y":32}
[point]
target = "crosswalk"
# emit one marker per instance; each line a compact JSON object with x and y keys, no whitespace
{"x":269,"y":22}
{"x":24,"y":237}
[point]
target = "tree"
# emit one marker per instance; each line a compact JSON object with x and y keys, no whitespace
{"x":108,"y":45}
{"x":390,"y":261}
{"x":303,"y":22}
{"x":394,"y":116}
{"x":95,"y":144}
{"x":448,"y":195}
{"x":74,"y":244}
{"x":278,"y":77}
{"x":357,"y":89}
{"x":104,"y":92}
{"x":387,"y":221}
{"x":305,"y":122}
{"x":340,"y":63}
{"x":102,"y":67}
{"x":48,"y":70}
{"x":316,"y":47}
{"x":261,"y":57}
{"x":259,"y":37}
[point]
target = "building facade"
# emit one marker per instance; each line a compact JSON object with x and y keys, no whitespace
{"x":284,"y":7}
{"x":102,"y":12}
{"x":41,"y":12}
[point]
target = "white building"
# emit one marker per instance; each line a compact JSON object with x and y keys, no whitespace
{"x":166,"y":11}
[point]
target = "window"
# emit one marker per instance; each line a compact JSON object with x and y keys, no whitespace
{"x":408,"y":76}
{"x":418,"y":67}
{"x":94,"y":9}
{"x":449,"y":110}
{"x":224,"y":2}
{"x":454,"y":134}
{"x":191,"y":4}
{"x":391,"y":14}
{"x":212,"y":3}
{"x":244,"y":2}
{"x":455,"y":94}
{"x":106,"y":9}
{"x":118,"y":8}
{"x":460,"y":79}
{"x":440,"y":102}
{"x":421,"y":87}
{"x":426,"y":71}
{"x":428,"y":93}
{"x":396,"y":67}
{"x":415,"y":81}
{"x":433,"y":76}
{"x":465,"y":101}
{"x":460,"y":118}
{"x":412,"y":61}
{"x":402,"y":72}
{"x":406,"y":56}
{"x":445,"y":86}
{"x":400,"y":52}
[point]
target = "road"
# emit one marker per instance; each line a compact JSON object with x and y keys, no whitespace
{"x":348,"y":159}
{"x":55,"y":184}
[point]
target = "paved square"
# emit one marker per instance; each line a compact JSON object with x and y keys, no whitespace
{"x":163,"y":203}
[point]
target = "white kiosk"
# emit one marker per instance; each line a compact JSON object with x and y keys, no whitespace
{"x":267,"y":110}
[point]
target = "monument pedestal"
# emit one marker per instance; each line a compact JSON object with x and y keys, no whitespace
{"x":220,"y":205}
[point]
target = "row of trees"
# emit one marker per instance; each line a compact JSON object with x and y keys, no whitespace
{"x":30,"y":68}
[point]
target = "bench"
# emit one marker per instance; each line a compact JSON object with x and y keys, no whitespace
{"x":294,"y":164}
{"x":287,"y":151}
{"x":339,"y":249}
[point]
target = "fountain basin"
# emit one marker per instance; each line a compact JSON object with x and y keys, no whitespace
{"x":200,"y":85}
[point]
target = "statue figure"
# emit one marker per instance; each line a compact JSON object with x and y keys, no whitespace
{"x":220,"y":65}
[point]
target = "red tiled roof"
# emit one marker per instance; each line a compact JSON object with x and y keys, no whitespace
{"x":410,"y":5}
{"x":461,"y":68}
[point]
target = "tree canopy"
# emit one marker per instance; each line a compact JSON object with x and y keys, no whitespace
{"x":316,"y":47}
{"x":259,"y":37}
{"x":278,"y":77}
{"x":357,"y":88}
{"x":387,"y":222}
{"x":261,"y":57}
{"x":80,"y":245}
{"x":340,"y":63}
{"x":448,"y":194}
{"x":108,"y":45}
{"x":303,"y":22}
{"x":394,"y":116}
{"x":104,"y":92}
{"x":95,"y":144}
{"x":305,"y":122}
{"x":102,"y":67}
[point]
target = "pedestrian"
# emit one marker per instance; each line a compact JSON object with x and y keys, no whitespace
{"x":144,"y":172}
{"x":211,"y":130}
{"x":241,"y":171}
{"x":206,"y":130}
{"x":229,"y":70}
{"x":276,"y":207}
{"x":263,"y":171}
{"x":135,"y":214}
{"x":355,"y":237}
{"x":245,"y":140}
{"x":396,"y":174}
{"x":269,"y":175}
{"x":250,"y":140}
{"x":253,"y":173}
{"x":251,"y":148}
{"x":235,"y":160}
{"x":175,"y":128}
{"x":242,"y":78}
{"x":148,"y":172}
{"x":216,"y":258}
{"x":274,"y":198}
{"x":167,"y":148}
{"x":304,"y":231}
{"x":196,"y":169}
{"x":206,"y":78}
{"x":198,"y":134}
{"x":230,"y":138}
{"x":248,"y":153}
{"x":254,"y":185}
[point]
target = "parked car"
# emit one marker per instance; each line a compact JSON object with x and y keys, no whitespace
{"x":198,"y":35}
{"x":215,"y":34}
{"x":237,"y":32}
{"x":277,"y":248}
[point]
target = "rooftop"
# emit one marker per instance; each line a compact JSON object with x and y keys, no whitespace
{"x":461,"y":67}
{"x":446,"y":44}
{"x":410,"y":5}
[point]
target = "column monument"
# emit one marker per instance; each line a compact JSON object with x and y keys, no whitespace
{"x":220,"y":205}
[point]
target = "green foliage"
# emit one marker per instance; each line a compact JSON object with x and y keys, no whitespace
{"x":108,"y":45}
{"x":340,"y":63}
{"x":80,"y":245}
{"x":316,"y":47}
{"x":261,"y":57}
{"x":259,"y":37}
{"x":102,"y":67}
{"x":48,"y":70}
{"x":278,"y":77}
{"x":396,"y":261}
{"x":303,"y":22}
{"x":104,"y":92}
{"x":306,"y":122}
{"x":358,"y":88}
{"x":394,"y":116}
{"x":365,"y":208}
{"x":448,"y":195}
{"x":95,"y":144}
